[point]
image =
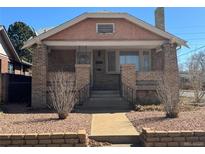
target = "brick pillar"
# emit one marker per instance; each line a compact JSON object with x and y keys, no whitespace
{"x":82,"y":74}
{"x":128,"y":78}
{"x":128,"y":75}
{"x":39,"y":76}
{"x":171,"y":69}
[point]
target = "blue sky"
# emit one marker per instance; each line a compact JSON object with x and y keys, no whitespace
{"x":187,"y":23}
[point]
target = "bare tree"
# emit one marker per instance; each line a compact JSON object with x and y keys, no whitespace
{"x":196,"y":69}
{"x":62,"y":93}
{"x":167,"y":96}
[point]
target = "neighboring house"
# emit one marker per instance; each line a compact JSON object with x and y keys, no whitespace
{"x":9,"y":59}
{"x":109,"y":51}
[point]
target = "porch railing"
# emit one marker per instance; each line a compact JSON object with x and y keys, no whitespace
{"x":128,"y":93}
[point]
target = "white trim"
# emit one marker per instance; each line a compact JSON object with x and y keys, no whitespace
{"x":113,"y":25}
{"x":133,"y":19}
{"x":10,"y":43}
{"x":147,"y":43}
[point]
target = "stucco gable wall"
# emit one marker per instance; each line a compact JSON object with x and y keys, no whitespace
{"x":86,"y":30}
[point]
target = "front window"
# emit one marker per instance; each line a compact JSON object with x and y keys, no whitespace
{"x":130,"y":58}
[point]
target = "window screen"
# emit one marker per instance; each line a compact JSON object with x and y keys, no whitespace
{"x":105,"y":28}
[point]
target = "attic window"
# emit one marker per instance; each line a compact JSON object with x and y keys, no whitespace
{"x":105,"y":28}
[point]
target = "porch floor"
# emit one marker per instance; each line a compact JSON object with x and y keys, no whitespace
{"x":104,"y":101}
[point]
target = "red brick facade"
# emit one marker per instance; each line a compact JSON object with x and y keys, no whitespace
{"x":4,"y":64}
{"x":86,"y":30}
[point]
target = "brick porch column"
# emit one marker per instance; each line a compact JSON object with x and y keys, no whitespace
{"x":171,"y":69}
{"x":128,"y":75}
{"x":39,"y":76}
{"x":128,"y":78}
{"x":82,"y":74}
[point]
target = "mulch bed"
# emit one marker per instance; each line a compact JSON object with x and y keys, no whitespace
{"x":29,"y":121}
{"x":189,"y":120}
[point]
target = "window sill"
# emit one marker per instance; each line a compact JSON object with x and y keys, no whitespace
{"x":105,"y":33}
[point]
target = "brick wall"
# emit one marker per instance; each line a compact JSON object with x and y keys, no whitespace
{"x":4,"y":64}
{"x":61,"y":60}
{"x":128,"y":75}
{"x":150,"y":138}
{"x":86,"y":30}
{"x":157,"y":60}
{"x":79,"y":139}
{"x":39,"y":76}
{"x":82,"y":75}
{"x":171,"y":72}
{"x":151,"y":75}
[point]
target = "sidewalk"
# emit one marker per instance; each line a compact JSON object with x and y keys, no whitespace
{"x":112,"y":124}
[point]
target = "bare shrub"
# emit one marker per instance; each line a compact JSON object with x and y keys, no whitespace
{"x":62,"y":92}
{"x":196,"y":70}
{"x":167,"y":97}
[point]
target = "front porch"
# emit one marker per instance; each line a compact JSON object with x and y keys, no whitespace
{"x":102,"y":68}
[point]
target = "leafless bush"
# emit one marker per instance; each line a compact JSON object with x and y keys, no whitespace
{"x":196,"y":69}
{"x":167,"y":97}
{"x":62,"y":93}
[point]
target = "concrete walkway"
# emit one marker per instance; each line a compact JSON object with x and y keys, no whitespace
{"x":111,"y":124}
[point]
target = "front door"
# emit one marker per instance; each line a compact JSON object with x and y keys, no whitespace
{"x":101,"y":79}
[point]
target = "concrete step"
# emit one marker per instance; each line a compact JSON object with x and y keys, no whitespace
{"x":106,"y":101}
{"x":118,"y":139}
{"x":105,"y":106}
{"x":104,"y":95}
{"x":105,"y":92}
{"x":110,"y":99}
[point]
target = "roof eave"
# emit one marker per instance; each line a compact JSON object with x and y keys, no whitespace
{"x":10,"y":43}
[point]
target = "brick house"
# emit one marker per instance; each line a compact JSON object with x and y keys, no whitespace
{"x":9,"y":59}
{"x":106,"y":50}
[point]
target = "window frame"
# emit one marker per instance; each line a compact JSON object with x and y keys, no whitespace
{"x":117,"y":68}
{"x":97,"y":24}
{"x":117,"y":60}
{"x":134,"y":51}
{"x":150,"y":62}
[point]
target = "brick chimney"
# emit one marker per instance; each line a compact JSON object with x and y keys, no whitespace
{"x":159,"y":18}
